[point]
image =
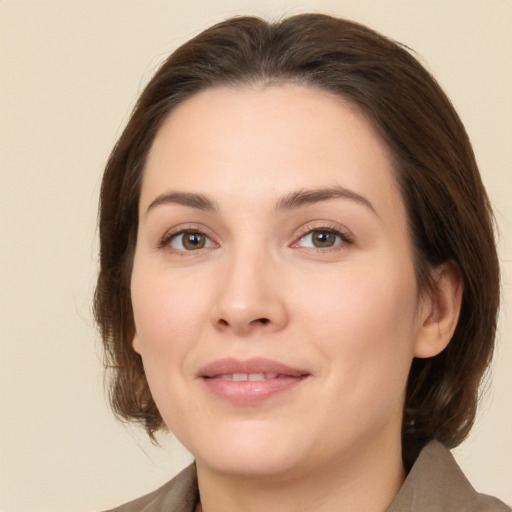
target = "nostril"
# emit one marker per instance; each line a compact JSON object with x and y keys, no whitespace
{"x":263,"y":321}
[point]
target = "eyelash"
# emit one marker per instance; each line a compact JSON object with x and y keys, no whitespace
{"x":168,"y":238}
{"x":345,"y":239}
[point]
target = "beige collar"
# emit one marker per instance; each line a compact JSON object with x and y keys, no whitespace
{"x":434,"y":484}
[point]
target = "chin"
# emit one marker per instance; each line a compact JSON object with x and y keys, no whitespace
{"x":248,"y":451}
{"x":248,"y":466}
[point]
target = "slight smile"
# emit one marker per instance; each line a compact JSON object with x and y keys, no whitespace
{"x":250,"y":381}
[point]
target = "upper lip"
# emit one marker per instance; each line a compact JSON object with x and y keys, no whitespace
{"x":254,"y":365}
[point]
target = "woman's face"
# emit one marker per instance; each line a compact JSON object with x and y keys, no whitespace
{"x":275,"y":300}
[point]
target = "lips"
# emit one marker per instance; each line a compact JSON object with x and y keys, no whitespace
{"x":250,"y":381}
{"x":239,"y":377}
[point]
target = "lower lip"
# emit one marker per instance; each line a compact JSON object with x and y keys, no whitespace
{"x":251,"y":391}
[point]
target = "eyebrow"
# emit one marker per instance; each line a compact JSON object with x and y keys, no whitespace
{"x":311,"y":196}
{"x":199,"y":201}
{"x":294,"y":200}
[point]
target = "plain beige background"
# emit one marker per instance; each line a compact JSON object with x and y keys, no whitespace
{"x":70,"y":72}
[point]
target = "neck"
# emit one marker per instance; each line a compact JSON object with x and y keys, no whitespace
{"x":367,"y":482}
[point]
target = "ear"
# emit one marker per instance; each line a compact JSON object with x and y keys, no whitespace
{"x":440,"y":311}
{"x":136,"y":343}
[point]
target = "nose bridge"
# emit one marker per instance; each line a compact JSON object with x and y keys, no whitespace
{"x":249,"y":295}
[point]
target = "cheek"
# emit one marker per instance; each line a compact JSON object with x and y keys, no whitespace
{"x":365,"y":321}
{"x":163,"y":304}
{"x":169,"y":311}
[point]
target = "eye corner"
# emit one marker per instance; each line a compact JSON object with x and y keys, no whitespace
{"x":322,"y":238}
{"x":176,"y":241}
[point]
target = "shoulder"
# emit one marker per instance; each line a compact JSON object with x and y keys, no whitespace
{"x":178,"y":495}
{"x":436,"y":483}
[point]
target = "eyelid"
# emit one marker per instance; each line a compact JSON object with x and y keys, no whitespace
{"x":345,"y":235}
{"x":180,"y":238}
{"x":164,"y":242}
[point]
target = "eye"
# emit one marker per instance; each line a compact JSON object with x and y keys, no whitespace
{"x":322,"y":238}
{"x":189,"y":240}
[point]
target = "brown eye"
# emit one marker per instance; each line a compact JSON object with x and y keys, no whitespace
{"x":190,"y":241}
{"x":322,"y":239}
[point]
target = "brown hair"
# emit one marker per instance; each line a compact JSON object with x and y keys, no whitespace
{"x":449,"y":212}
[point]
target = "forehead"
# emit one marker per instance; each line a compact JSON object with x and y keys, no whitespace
{"x":261,"y":142}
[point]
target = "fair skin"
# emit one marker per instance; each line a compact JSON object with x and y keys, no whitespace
{"x":271,"y":226}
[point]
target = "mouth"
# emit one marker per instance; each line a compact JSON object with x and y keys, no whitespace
{"x":250,"y":381}
{"x":241,"y":377}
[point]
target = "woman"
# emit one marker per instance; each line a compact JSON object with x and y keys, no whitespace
{"x":298,"y":273}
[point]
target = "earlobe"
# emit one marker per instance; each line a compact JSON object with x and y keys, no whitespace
{"x":136,"y":343}
{"x":441,"y":316}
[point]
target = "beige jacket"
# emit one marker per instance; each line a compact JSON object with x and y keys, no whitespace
{"x":434,"y":484}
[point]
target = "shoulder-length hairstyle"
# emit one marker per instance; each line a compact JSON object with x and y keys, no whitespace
{"x":450,"y":218}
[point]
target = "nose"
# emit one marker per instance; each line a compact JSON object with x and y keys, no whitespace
{"x":250,"y":296}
